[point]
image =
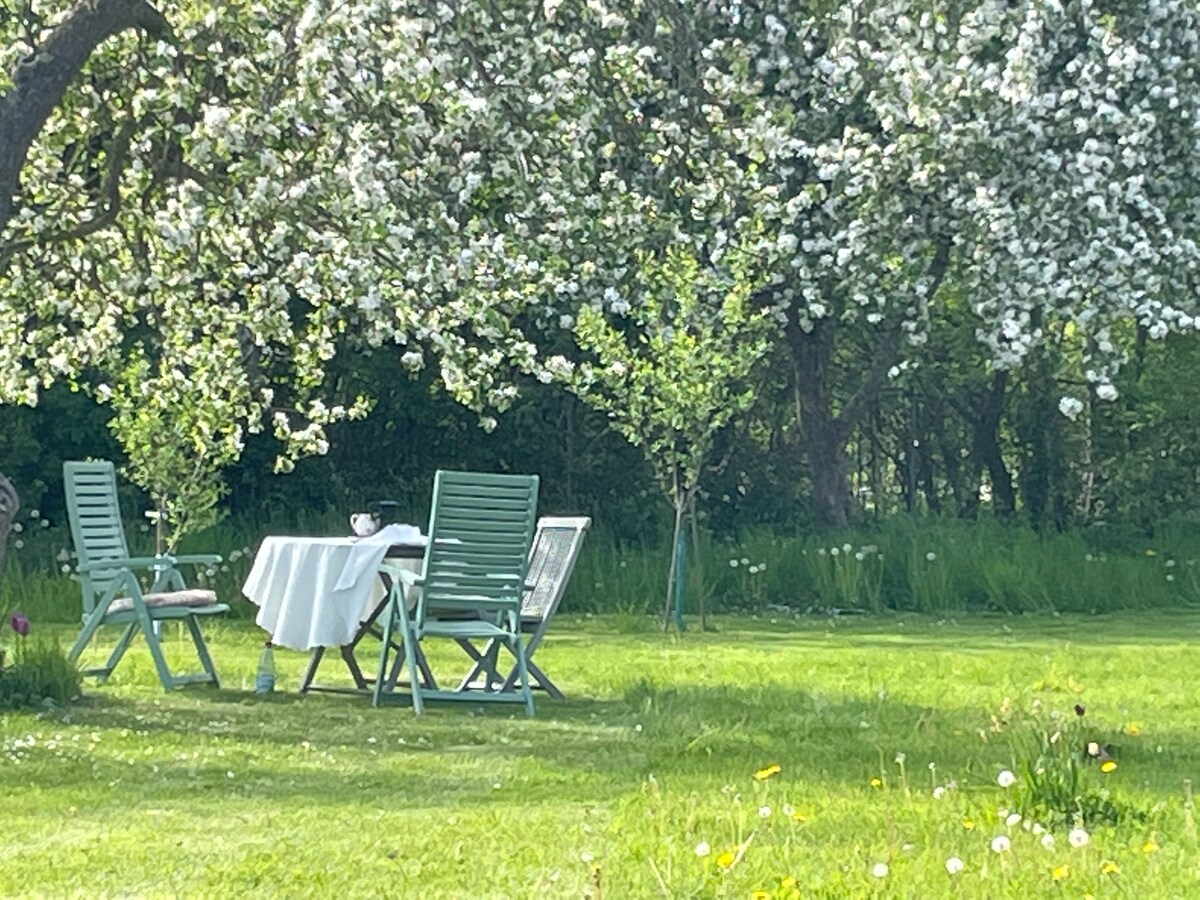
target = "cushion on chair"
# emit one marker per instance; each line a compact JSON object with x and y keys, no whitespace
{"x":188,"y":597}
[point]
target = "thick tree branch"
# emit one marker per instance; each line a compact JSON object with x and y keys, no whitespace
{"x":41,"y":79}
{"x":107,"y":208}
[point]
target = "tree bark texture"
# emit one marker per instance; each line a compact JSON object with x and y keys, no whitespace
{"x":41,"y":79}
{"x":823,"y":434}
{"x":985,"y":445}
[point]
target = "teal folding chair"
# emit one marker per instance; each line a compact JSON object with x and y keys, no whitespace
{"x":470,"y":583}
{"x":556,"y":546}
{"x":111,"y":592}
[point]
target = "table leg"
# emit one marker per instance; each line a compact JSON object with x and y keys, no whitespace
{"x":352,"y":665}
{"x":310,"y":670}
{"x":368,"y":626}
{"x":347,"y":654}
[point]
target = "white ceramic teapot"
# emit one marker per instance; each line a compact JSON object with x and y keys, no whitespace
{"x":364,"y":524}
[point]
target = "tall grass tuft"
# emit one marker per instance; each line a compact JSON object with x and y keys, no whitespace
{"x":35,"y":672}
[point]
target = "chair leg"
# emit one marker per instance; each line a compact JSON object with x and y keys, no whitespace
{"x":202,"y":651}
{"x":491,"y":654}
{"x":118,"y":652}
{"x":85,"y":634}
{"x":160,"y":661}
{"x":538,"y":678}
{"x":398,"y":661}
{"x":526,"y":692}
{"x":412,"y":652}
{"x":430,"y":683}
{"x":485,"y":661}
{"x":470,"y":650}
{"x":385,"y":646}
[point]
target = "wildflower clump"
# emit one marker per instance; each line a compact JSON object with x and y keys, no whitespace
{"x":1062,"y":779}
{"x":35,"y":672}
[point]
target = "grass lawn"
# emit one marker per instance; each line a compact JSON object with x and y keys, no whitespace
{"x":641,"y":784}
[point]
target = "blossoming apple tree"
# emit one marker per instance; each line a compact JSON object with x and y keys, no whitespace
{"x":211,"y":205}
{"x":1037,"y":157}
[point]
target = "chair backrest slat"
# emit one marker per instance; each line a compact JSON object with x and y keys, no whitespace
{"x":480,"y":533}
{"x":96,"y":528}
{"x":555,"y":549}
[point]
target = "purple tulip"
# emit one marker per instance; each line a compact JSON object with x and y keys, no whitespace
{"x":19,"y":624}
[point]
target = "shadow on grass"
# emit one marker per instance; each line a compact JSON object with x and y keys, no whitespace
{"x":332,"y":751}
{"x":336,"y":751}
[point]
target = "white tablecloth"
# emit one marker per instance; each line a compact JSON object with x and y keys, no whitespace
{"x":294,"y":583}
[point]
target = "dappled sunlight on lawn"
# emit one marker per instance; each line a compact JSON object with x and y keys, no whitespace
{"x":839,"y":756}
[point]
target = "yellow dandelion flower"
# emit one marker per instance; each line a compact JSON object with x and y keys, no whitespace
{"x":760,"y":895}
{"x":1108,"y":867}
{"x":768,"y":772}
{"x":1108,"y":766}
{"x":1133,"y":729}
{"x":725,"y":860}
{"x":876,"y":783}
{"x":788,"y":882}
{"x":799,"y":817}
{"x":1060,"y":873}
{"x":1151,"y":846}
{"x":968,"y":824}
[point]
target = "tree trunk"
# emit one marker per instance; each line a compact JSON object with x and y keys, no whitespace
{"x":680,"y":502}
{"x":829,"y":469}
{"x":1042,"y":470}
{"x":823,"y":434}
{"x":698,"y":563}
{"x":985,"y":446}
{"x":42,"y":77}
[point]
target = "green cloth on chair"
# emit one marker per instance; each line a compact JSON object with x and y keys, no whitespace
{"x":111,"y":593}
{"x":471,"y":580}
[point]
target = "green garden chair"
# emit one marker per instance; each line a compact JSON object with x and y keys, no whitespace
{"x":470,"y":583}
{"x":111,"y":592}
{"x":555,"y":549}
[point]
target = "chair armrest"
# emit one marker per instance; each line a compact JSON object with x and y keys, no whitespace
{"x":198,"y":559}
{"x":129,"y":562}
